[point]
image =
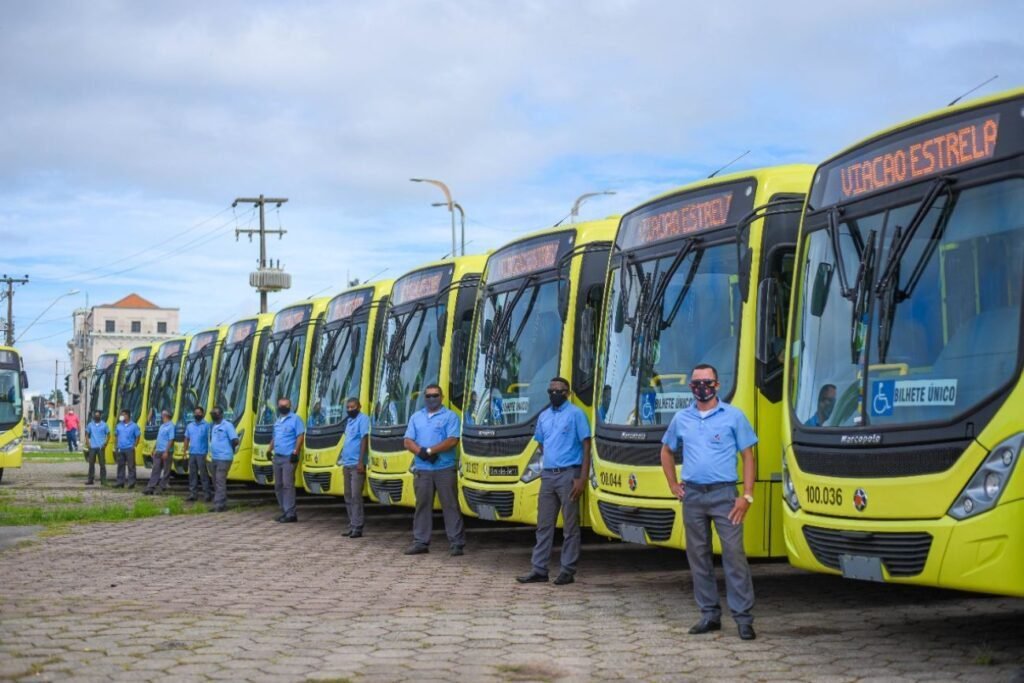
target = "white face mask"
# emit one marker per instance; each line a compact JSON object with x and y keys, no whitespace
{"x":121,"y":418}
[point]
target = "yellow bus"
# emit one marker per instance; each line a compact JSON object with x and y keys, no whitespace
{"x":904,"y":385}
{"x":538,"y":317}
{"x":133,"y":388}
{"x":697,"y":275}
{"x":238,"y":376}
{"x":103,"y":387}
{"x":196,"y":386}
{"x":13,"y":382}
{"x":163,"y":390}
{"x":285,"y":372}
{"x":343,"y":366}
{"x":424,"y":341}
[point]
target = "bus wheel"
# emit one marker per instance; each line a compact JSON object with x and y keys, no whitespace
{"x":1,"y":473}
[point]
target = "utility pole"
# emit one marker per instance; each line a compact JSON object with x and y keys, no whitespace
{"x":10,"y":282}
{"x":266,"y":278}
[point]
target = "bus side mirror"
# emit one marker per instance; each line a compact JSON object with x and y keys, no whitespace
{"x":24,"y":380}
{"x":819,"y":292}
{"x":767,"y":312}
{"x":442,"y":324}
{"x":619,"y":316}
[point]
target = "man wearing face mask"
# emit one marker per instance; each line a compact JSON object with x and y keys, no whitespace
{"x":710,"y":433}
{"x":96,"y":435}
{"x":432,"y":435}
{"x":126,"y":435}
{"x":353,"y":463}
{"x":286,"y":445}
{"x":223,"y":444}
{"x":197,"y":445}
{"x":826,"y":403}
{"x":162,"y":452}
{"x":564,"y":437}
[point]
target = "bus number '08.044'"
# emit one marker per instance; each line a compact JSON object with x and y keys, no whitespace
{"x":611,"y":479}
{"x":824,"y":495}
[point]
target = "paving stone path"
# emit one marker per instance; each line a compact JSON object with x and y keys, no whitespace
{"x":237,"y":597}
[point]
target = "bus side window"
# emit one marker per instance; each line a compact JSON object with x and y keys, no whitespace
{"x":589,"y":304}
{"x":464,"y":305}
{"x":778,"y":261}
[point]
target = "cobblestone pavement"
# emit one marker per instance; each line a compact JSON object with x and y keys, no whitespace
{"x":237,"y":597}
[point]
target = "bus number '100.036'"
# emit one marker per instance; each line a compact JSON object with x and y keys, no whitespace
{"x":824,"y":495}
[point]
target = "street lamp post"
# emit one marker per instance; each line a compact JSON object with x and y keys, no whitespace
{"x":448,"y":202}
{"x":52,"y":304}
{"x":582,"y":198}
{"x":462,"y":224}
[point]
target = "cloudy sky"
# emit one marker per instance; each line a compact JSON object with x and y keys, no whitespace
{"x":128,"y":128}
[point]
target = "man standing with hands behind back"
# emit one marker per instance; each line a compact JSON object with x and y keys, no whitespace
{"x":711,"y":433}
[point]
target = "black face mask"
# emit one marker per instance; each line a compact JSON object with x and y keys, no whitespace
{"x":96,"y":418}
{"x":284,"y":410}
{"x":703,"y":391}
{"x":353,"y":414}
{"x":216,"y":415}
{"x":199,"y":418}
{"x":557,"y":397}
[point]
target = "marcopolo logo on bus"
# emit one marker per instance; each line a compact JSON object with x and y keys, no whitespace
{"x":886,"y":395}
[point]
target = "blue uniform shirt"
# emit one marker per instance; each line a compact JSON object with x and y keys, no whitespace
{"x":561,"y":432}
{"x":429,"y":430}
{"x":98,"y":432}
{"x":221,"y":435}
{"x":286,"y":433}
{"x":355,"y":430}
{"x":164,"y":436}
{"x":198,"y":435}
{"x":709,"y":444}
{"x":127,"y":434}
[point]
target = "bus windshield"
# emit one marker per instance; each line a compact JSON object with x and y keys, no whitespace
{"x":132,"y":388}
{"x":517,"y":342}
{"x":102,"y":385}
{"x":10,"y":397}
{"x":337,"y":372}
{"x":233,"y":379}
{"x":195,"y":383}
{"x":282,"y":372}
{"x":412,"y":360}
{"x":661,"y":323}
{"x":922,"y":320}
{"x":163,"y":386}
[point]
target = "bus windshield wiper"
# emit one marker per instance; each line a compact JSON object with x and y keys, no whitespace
{"x":498,"y":342}
{"x":848,"y":292}
{"x":888,"y":288}
{"x":666,"y":323}
{"x":654,"y":303}
{"x":861,"y":297}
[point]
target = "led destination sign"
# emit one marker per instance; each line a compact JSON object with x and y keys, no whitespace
{"x":420,"y":285}
{"x":529,"y":257}
{"x":239,"y":332}
{"x":137,"y":354}
{"x":171,"y":349}
{"x":289,"y":318}
{"x":201,"y":341}
{"x":345,"y":305}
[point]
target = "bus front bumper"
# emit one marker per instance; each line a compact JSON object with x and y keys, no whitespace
{"x":320,"y":480}
{"x":650,"y":521}
{"x":514,"y":502}
{"x":982,"y":554}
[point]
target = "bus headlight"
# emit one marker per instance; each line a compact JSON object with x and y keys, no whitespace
{"x":593,"y":477}
{"x":412,"y":466}
{"x":788,"y":490}
{"x":533,"y":467}
{"x":983,"y":490}
{"x":10,"y":446}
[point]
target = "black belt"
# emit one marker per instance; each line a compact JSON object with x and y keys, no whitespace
{"x":708,"y":488}
{"x":559,"y":470}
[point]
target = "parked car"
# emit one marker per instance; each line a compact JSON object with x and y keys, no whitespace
{"x":48,"y":430}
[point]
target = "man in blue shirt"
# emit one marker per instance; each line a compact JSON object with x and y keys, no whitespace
{"x":126,"y":436}
{"x":97,"y":433}
{"x":711,"y":433}
{"x":223,"y":444}
{"x":286,"y":445}
{"x":432,"y":435}
{"x":197,"y":445}
{"x":826,"y":403}
{"x":563,"y":435}
{"x":162,"y":452}
{"x":353,"y":464}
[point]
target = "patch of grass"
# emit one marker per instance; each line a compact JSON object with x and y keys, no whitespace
{"x":984,"y":655}
{"x":12,"y":514}
{"x":75,"y":498}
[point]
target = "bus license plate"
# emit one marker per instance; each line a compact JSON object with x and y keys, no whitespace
{"x":861,"y":568}
{"x":384,"y":497}
{"x":261,"y":480}
{"x":633,"y":534}
{"x":314,"y":487}
{"x":487,"y":512}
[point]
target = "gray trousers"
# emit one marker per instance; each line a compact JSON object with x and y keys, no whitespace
{"x":284,"y":483}
{"x":125,"y":459}
{"x":96,"y":455}
{"x":197,"y":472}
{"x":354,"y":482}
{"x":220,"y":482}
{"x":555,"y":492}
{"x":444,"y":483}
{"x":160,"y":475}
{"x":699,"y":510}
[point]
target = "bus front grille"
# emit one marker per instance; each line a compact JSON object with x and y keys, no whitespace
{"x":891,"y":461}
{"x":656,"y":522}
{"x":501,"y":501}
{"x":265,"y":471}
{"x":903,"y":554}
{"x":495,"y":446}
{"x":622,"y":453}
{"x":318,"y":480}
{"x":387,"y":444}
{"x":392,"y":487}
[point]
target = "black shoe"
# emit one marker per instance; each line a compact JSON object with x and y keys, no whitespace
{"x":191,"y":499}
{"x":147,"y":492}
{"x":456,"y":551}
{"x":355,"y":534}
{"x":564,"y":578}
{"x":417,"y":549}
{"x":89,"y":483}
{"x":117,"y":486}
{"x":288,"y":519}
{"x":746,"y":631}
{"x":220,"y":508}
{"x":533,"y":577}
{"x":280,"y":517}
{"x":705,"y":626}
{"x":348,"y":534}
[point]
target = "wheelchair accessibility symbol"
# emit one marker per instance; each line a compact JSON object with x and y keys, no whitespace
{"x":648,"y":407}
{"x":883,"y":394}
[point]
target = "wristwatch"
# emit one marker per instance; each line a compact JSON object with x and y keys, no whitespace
{"x":749,"y":498}
{"x":429,"y":452}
